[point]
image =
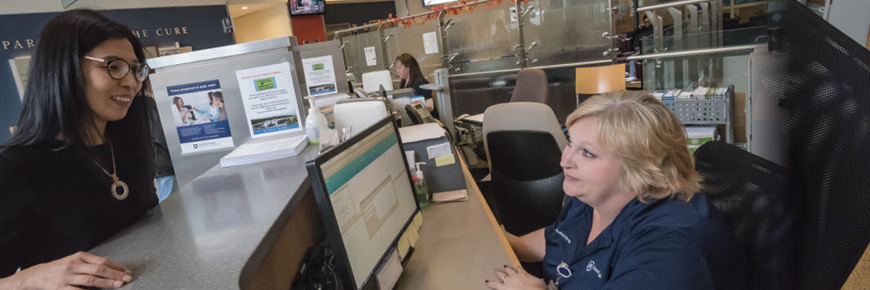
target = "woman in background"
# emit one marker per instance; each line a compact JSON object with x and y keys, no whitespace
{"x":79,"y":168}
{"x":408,"y":70}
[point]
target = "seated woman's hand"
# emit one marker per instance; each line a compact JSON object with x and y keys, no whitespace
{"x":515,"y":279}
{"x":71,"y":272}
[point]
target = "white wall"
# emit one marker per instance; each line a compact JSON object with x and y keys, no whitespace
{"x":43,"y":6}
{"x":851,"y":17}
{"x":264,"y":24}
{"x":415,"y":6}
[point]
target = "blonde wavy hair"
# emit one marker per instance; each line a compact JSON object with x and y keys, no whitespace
{"x":648,"y":138}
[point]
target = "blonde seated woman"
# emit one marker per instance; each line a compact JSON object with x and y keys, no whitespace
{"x":634,"y":216}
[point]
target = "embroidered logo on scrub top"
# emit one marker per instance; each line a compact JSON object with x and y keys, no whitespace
{"x":563,"y":235}
{"x":591,"y":266}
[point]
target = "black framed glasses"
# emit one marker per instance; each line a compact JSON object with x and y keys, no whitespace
{"x":119,"y":68}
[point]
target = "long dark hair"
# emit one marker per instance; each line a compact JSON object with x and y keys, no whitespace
{"x":410,"y":62}
{"x":55,"y":104}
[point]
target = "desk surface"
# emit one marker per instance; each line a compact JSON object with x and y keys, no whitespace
{"x":216,"y":232}
{"x":460,"y":245}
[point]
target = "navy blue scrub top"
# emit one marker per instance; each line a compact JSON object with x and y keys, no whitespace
{"x":662,"y":244}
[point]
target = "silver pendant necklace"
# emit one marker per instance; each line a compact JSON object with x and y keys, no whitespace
{"x":116,"y":182}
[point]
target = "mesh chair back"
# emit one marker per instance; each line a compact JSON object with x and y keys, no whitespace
{"x":824,"y":92}
{"x":753,"y":196}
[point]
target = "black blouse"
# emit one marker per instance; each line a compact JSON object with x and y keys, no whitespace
{"x":54,"y":203}
{"x":427,"y":94}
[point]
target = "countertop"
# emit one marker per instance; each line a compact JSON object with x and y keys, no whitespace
{"x":216,"y":231}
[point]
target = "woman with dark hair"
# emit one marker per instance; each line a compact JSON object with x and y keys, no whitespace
{"x":408,"y":70}
{"x":80,"y":166}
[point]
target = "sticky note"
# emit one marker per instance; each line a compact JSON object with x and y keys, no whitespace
{"x":403,"y":246}
{"x":412,"y":237}
{"x":418,"y":220}
{"x":444,"y":160}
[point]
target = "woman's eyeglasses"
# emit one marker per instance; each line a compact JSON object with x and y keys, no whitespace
{"x":119,"y":68}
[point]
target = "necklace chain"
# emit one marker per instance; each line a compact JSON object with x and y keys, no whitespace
{"x":114,"y":173}
{"x":116,"y":182}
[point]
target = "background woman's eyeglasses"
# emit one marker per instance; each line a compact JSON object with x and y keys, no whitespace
{"x":119,"y":68}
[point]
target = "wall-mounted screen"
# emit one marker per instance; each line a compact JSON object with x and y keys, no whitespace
{"x":304,"y":7}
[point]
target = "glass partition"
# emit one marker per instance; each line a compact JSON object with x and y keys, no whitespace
{"x":485,"y":40}
{"x":413,"y":41}
{"x":566,"y":31}
{"x":363,"y":53}
{"x":693,"y":71}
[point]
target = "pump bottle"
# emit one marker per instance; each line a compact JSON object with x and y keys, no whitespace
{"x":420,"y":188}
{"x":315,"y":123}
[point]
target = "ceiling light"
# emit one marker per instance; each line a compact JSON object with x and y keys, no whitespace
{"x":244,"y":7}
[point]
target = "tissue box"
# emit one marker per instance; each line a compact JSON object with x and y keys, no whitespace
{"x":698,"y":136}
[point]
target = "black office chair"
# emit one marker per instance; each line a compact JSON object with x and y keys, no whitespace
{"x":753,"y":195}
{"x":524,"y":145}
{"x":824,"y":99}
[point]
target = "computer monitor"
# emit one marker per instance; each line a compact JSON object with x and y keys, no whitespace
{"x":366,"y":200}
{"x":373,"y":81}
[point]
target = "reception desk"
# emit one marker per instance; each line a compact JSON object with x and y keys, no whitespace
{"x":248,"y":227}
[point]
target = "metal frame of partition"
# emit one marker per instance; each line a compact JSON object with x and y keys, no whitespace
{"x":710,"y":21}
{"x":524,"y":50}
{"x":698,"y":47}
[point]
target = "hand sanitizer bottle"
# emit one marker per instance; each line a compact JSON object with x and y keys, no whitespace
{"x":315,"y":123}
{"x":420,"y":189}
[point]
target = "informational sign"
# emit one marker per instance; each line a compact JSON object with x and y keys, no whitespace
{"x":371,"y":57}
{"x":430,"y":42}
{"x":200,"y":117}
{"x":319,"y":75}
{"x":269,"y":96}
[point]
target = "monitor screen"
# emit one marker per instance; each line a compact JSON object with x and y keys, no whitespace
{"x":303,"y":7}
{"x":366,"y":199}
{"x":437,"y":2}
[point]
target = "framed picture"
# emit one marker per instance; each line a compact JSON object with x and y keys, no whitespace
{"x":151,"y":51}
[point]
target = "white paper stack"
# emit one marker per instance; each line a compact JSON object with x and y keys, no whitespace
{"x":253,"y":152}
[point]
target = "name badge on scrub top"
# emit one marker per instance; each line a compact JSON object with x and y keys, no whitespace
{"x":564,"y":271}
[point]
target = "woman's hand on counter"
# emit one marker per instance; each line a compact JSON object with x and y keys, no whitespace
{"x":72,"y":272}
{"x":515,"y":279}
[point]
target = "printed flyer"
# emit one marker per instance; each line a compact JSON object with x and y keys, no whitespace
{"x":200,"y":117}
{"x":270,"y":101}
{"x":319,"y":76}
